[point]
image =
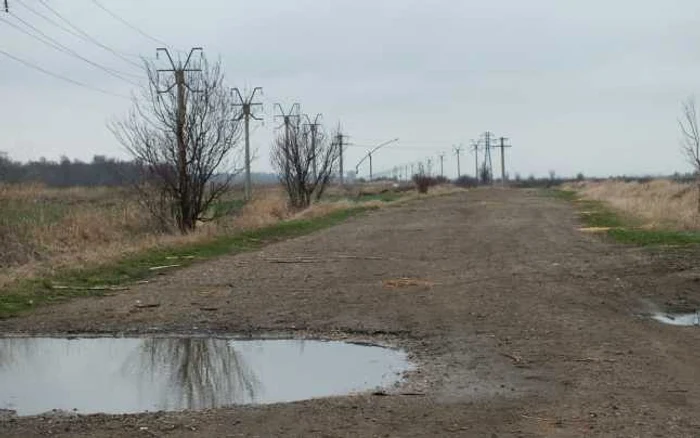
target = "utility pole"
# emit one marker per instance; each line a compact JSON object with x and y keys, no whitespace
{"x":287,"y":119}
{"x":487,"y":151}
{"x":339,"y":139}
{"x":475,"y":149}
{"x":430,"y":167}
{"x":503,"y":147}
{"x":7,"y":6}
{"x":370,"y":166}
{"x":442,"y":162}
{"x":313,"y":127}
{"x":247,"y":105}
{"x":179,"y":71}
{"x":457,"y":150}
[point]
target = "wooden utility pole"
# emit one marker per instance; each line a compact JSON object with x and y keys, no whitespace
{"x":247,"y":105}
{"x":179,"y":71}
{"x":458,"y":150}
{"x":313,"y":127}
{"x":7,"y":6}
{"x":503,"y":147}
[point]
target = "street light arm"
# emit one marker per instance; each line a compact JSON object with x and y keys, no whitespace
{"x":373,"y":151}
{"x":383,"y":144}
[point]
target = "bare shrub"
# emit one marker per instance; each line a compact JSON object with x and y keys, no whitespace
{"x":423,"y":182}
{"x":690,"y":143}
{"x":185,"y":156}
{"x":294,"y":155}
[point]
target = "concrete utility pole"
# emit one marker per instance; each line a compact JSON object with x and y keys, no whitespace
{"x":247,"y":105}
{"x":503,"y":147}
{"x":288,"y":118}
{"x":313,"y":127}
{"x":339,"y":138}
{"x":179,"y":71}
{"x":487,"y":154}
{"x":442,"y":164}
{"x":430,"y":167}
{"x":475,"y":149}
{"x":458,"y":150}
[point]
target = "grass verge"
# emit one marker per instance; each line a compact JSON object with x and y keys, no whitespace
{"x":99,"y":280}
{"x":622,"y":228}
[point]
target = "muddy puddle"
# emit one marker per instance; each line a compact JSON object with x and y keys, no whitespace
{"x":129,"y":375}
{"x":681,"y":319}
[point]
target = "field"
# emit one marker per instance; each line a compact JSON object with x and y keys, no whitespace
{"x":521,"y":323}
{"x":60,"y":243}
{"x":658,"y":204}
{"x":654,"y":213}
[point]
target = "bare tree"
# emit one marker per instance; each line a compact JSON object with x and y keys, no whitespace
{"x":185,"y":136}
{"x":294,"y":155}
{"x":690,"y":143}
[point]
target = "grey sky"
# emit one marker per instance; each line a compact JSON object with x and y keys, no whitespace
{"x":590,"y":86}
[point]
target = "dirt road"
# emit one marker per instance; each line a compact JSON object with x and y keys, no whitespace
{"x":530,"y":328}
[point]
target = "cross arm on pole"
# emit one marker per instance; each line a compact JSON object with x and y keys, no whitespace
{"x":167,"y":52}
{"x":189,"y":57}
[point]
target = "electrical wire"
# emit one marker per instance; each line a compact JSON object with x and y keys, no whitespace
{"x":47,"y":40}
{"x":63,"y":78}
{"x":82,"y":35}
{"x":128,"y":24}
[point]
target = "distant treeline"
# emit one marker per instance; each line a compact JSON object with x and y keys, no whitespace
{"x":102,"y":171}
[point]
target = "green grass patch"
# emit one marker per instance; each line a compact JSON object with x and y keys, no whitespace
{"x":15,"y":213}
{"x":227,"y":207}
{"x":623,"y":229}
{"x":389,"y":196}
{"x":98,"y":280}
{"x":655,"y":237}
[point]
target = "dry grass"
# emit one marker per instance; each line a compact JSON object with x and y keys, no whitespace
{"x":660,"y":204}
{"x":43,"y":230}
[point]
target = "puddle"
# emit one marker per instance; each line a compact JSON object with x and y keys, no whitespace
{"x":129,"y":375}
{"x":684,"y":319}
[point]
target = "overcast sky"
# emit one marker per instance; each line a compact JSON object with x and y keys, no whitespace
{"x":578,"y":86}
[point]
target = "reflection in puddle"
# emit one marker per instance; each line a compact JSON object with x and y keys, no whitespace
{"x":120,"y":375}
{"x":686,"y":319}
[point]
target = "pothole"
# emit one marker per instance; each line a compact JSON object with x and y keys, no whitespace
{"x":679,"y":319}
{"x":130,"y":375}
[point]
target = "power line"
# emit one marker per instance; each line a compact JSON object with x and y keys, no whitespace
{"x":126,"y":23}
{"x":63,"y":78}
{"x":45,"y":39}
{"x":78,"y":33}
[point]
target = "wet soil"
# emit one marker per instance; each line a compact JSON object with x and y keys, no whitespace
{"x":521,"y":325}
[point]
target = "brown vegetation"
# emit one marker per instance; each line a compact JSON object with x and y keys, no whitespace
{"x":658,"y":203}
{"x":45,"y":229}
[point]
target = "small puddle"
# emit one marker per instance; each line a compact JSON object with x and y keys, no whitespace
{"x":683,"y":319}
{"x":129,"y":375}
